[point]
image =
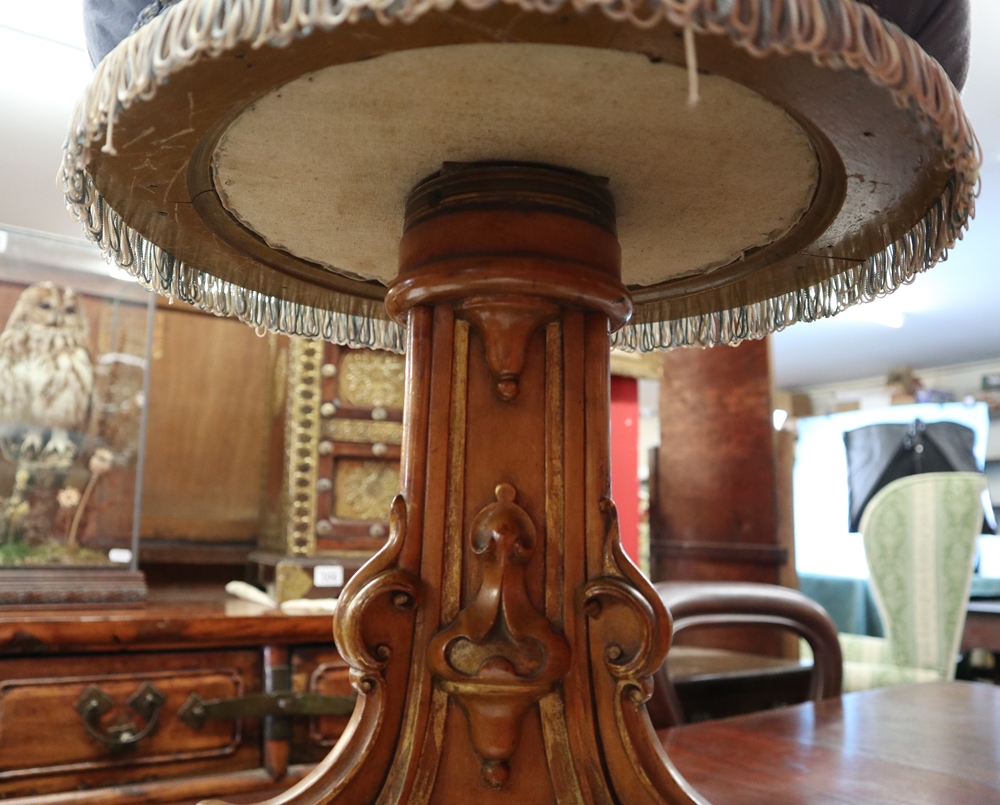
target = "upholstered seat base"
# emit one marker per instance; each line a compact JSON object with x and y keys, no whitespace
{"x":868,"y":664}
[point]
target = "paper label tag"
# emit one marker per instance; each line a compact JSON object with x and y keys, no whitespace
{"x":121,"y":556}
{"x":328,"y":576}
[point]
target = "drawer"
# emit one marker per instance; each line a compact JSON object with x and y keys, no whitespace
{"x":44,"y":743}
{"x":318,"y":669}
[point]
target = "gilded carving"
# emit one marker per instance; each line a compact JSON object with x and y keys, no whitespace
{"x":500,"y":655}
{"x":372,"y":379}
{"x":365,"y":431}
{"x":302,"y":446}
{"x":451,"y":582}
{"x":555,"y":481}
{"x":291,"y":581}
{"x":363,"y":490}
{"x":630,"y":623}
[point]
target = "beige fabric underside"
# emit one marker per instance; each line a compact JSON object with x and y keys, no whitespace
{"x":321,"y":167}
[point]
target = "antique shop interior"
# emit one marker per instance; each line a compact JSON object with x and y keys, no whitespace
{"x":550,"y":403}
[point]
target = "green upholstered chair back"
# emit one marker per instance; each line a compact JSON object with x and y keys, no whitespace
{"x":920,"y":535}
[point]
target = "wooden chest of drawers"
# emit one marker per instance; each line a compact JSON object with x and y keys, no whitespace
{"x":100,"y":702}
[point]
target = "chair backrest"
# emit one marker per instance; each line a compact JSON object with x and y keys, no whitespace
{"x":694,"y":605}
{"x":920,"y":536}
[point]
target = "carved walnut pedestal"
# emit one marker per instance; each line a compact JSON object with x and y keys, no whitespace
{"x":502,"y":643}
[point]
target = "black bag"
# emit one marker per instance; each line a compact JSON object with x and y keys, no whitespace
{"x":877,"y":455}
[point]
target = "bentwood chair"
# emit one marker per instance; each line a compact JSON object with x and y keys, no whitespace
{"x":698,"y":605}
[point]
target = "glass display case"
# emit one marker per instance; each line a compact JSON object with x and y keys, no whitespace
{"x":74,"y":344}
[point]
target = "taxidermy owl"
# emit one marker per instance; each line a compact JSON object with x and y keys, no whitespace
{"x":46,"y":374}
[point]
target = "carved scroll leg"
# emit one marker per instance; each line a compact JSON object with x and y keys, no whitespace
{"x":630,"y":636}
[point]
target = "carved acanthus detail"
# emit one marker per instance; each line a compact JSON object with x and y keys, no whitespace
{"x":506,"y":322}
{"x":500,"y":655}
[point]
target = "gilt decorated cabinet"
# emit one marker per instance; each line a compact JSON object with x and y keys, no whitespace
{"x":343,"y":420}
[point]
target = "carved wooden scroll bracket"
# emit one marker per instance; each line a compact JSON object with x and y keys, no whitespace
{"x":381,"y":577}
{"x":635,"y":653}
{"x":500,"y":655}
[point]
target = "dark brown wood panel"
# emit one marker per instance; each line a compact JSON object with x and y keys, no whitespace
{"x":982,"y":626}
{"x":186,"y":639}
{"x":209,"y":389}
{"x":716,"y":470}
{"x":318,"y":669}
{"x":716,"y":684}
{"x":715,"y":516}
{"x":238,"y":787}
{"x":45,"y":746}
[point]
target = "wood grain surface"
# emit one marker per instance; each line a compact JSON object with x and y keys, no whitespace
{"x":208,"y":391}
{"x":174,"y":617}
{"x":982,"y":626}
{"x":44,"y":747}
{"x":241,"y":787}
{"x":716,"y":513}
{"x":717,"y":478}
{"x":185,"y":640}
{"x":930,"y":744}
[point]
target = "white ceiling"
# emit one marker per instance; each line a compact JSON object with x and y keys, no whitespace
{"x":43,"y":70}
{"x":951,"y":315}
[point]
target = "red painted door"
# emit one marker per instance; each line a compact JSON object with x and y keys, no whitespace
{"x":625,"y":460}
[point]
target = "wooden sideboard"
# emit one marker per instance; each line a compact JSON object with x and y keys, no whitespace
{"x":982,"y":626}
{"x":186,"y":644}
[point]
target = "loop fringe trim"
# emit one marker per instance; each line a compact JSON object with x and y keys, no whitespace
{"x":837,"y":34}
{"x":877,"y":276}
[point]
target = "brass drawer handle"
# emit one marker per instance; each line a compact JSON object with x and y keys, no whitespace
{"x":146,"y":702}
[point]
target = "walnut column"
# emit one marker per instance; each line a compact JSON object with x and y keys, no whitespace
{"x":502,"y":643}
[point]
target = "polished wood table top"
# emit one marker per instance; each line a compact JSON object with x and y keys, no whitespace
{"x":930,"y":744}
